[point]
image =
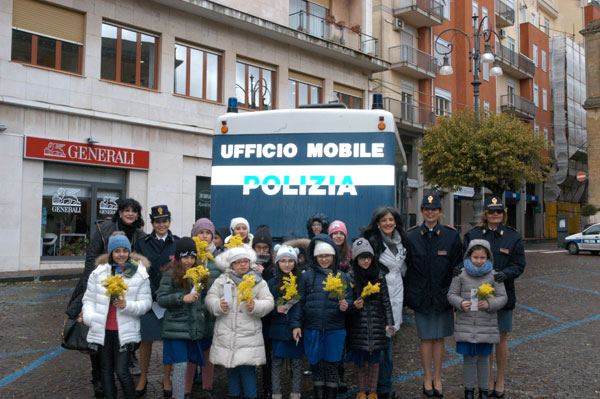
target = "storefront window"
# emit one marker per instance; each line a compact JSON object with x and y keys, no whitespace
{"x":74,"y":198}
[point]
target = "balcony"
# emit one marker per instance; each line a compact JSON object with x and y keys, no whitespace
{"x":517,"y":106}
{"x":419,"y":13}
{"x":408,"y":116}
{"x":514,"y":64}
{"x":351,"y":37}
{"x":412,"y":62}
{"x":505,"y":14}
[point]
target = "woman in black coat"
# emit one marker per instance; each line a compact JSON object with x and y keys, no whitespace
{"x":371,"y":320}
{"x":128,"y":219}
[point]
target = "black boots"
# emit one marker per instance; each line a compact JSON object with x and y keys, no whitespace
{"x":469,"y":394}
{"x":483,"y":394}
{"x":319,"y":391}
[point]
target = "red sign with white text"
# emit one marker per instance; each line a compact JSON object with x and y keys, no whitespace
{"x":70,"y":152}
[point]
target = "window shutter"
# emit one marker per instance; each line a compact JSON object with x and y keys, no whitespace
{"x":347,"y":90}
{"x":324,"y":3}
{"x":49,"y":20}
{"x":305,"y":78}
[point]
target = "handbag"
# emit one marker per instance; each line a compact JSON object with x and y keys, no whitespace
{"x":74,"y":336}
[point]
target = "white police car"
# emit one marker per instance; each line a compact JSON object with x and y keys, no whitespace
{"x":587,"y":240}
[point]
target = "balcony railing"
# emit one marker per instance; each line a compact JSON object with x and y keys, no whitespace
{"x":518,"y":105}
{"x":415,"y":10}
{"x":410,"y":116}
{"x":335,"y":32}
{"x":521,"y":66}
{"x":505,"y":13}
{"x":413,"y":61}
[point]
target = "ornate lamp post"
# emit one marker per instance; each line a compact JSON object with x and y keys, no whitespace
{"x":476,"y":58}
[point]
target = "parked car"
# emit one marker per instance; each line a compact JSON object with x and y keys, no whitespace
{"x":587,"y":240}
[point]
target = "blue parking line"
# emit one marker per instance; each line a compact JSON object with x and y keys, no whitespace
{"x":21,"y":302}
{"x":548,"y":315}
{"x":62,"y":291}
{"x":4,"y":355}
{"x":569,"y":287}
{"x":29,"y":368}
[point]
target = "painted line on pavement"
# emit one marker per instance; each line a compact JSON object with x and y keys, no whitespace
{"x":569,"y":287}
{"x":21,"y":302}
{"x":4,"y":355}
{"x":560,"y":251}
{"x":62,"y":291}
{"x":29,"y":368}
{"x":541,"y":313}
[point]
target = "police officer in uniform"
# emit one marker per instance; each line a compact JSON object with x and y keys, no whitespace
{"x":434,"y":251}
{"x":509,"y":263}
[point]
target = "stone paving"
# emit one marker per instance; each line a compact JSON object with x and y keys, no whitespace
{"x":554,"y":348}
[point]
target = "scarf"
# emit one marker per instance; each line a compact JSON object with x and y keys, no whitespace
{"x":129,"y":230}
{"x":237,"y":278}
{"x":475,"y":271}
{"x":364,"y":276}
{"x":392,"y":242}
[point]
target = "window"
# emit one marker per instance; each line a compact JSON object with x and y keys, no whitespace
{"x":546,"y":134}
{"x":485,"y":68}
{"x":536,"y":130}
{"x":544,"y":60}
{"x":523,"y":15}
{"x":303,"y":90}
{"x":547,"y":26}
{"x":441,"y":47}
{"x":254,"y":86}
{"x":443,"y":102}
{"x":197,"y":73}
{"x":308,"y":17}
{"x":446,"y":4}
{"x":533,"y":18}
{"x":545,"y":99}
{"x":484,"y":13}
{"x":474,"y":9}
{"x":351,"y":101}
{"x":535,"y":55}
{"x":47,"y":36}
{"x":486,"y":108}
{"x":129,"y":56}
{"x":536,"y":95}
{"x":407,"y":110}
{"x":73,"y":199}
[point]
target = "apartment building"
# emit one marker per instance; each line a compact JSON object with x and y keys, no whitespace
{"x":416,"y":92}
{"x":101,"y":100}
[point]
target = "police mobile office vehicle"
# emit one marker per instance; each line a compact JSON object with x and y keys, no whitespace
{"x":279,"y":167}
{"x":587,"y":240}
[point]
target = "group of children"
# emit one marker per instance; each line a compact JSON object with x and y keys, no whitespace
{"x":319,"y":312}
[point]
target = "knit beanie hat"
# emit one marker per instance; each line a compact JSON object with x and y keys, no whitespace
{"x":337,"y":225}
{"x":323,"y":248}
{"x":203,"y":224}
{"x":118,"y":241}
{"x":185,"y":247}
{"x":361,"y":246}
{"x":236,"y":221}
{"x":237,"y":253}
{"x":262,"y":235}
{"x":222,"y":231}
{"x":285,"y":251}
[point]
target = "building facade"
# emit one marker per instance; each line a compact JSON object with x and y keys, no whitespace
{"x":102,"y":100}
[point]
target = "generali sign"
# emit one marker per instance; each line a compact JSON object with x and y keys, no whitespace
{"x":70,"y":152}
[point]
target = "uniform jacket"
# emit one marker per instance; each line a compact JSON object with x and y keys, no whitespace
{"x":98,"y":245}
{"x":96,"y":302}
{"x":394,"y":273}
{"x":316,"y":311}
{"x":480,"y":326}
{"x":280,"y":326}
{"x":181,"y":320}
{"x":237,"y":337}
{"x":508,"y":252}
{"x":433,"y":257}
{"x":366,"y":326}
{"x":159,"y":253}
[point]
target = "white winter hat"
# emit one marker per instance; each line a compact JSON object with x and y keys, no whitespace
{"x":285,"y":251}
{"x":323,"y":248}
{"x":237,"y":253}
{"x":236,"y":221}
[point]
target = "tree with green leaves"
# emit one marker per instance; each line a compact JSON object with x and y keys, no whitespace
{"x":500,"y":155}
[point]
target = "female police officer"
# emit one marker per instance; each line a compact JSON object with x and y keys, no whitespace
{"x":434,"y":250}
{"x":509,"y":263}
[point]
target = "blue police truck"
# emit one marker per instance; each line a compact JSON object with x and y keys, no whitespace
{"x":280,"y":167}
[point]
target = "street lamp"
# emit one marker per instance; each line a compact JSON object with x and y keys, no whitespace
{"x":260,"y":87}
{"x":477,"y":58}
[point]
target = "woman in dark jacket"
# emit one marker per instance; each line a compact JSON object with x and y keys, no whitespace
{"x":509,"y":264}
{"x":371,"y":320}
{"x":158,"y":247}
{"x":434,"y":251}
{"x":128,"y":219}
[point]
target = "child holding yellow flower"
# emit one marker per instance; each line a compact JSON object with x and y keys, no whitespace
{"x":184,"y":321}
{"x":476,"y":304}
{"x":238,"y":299}
{"x":284,"y":287}
{"x":117,"y":294}
{"x":320,"y":315}
{"x":370,"y":320}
